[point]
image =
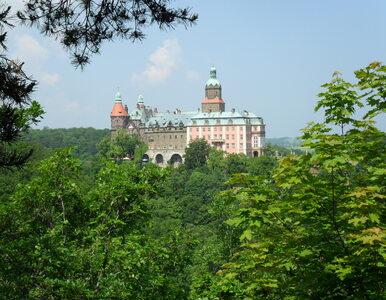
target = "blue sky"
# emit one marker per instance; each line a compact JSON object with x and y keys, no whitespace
{"x":271,"y":58}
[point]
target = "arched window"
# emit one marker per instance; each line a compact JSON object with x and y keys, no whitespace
{"x":176,"y":158}
{"x":159,"y":159}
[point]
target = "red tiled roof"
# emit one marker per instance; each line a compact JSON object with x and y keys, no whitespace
{"x":118,"y":111}
{"x":214,"y":100}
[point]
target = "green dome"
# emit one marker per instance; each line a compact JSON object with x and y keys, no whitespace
{"x":140,"y":100}
{"x":213,"y":80}
{"x":118,"y":97}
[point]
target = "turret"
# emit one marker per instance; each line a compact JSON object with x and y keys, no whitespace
{"x":140,"y":102}
{"x":119,"y":116}
{"x":213,"y":101}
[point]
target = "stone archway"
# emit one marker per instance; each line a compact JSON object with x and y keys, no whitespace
{"x":255,"y":154}
{"x":176,"y":159}
{"x":145,"y":157}
{"x":159,"y":159}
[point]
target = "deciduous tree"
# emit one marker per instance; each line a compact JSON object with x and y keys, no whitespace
{"x":317,"y":231}
{"x":197,"y":153}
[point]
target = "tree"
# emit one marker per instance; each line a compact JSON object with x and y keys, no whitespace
{"x":317,"y":230}
{"x":236,"y":163}
{"x":81,"y":27}
{"x":262,"y":165}
{"x":121,"y":145}
{"x":197,"y":153}
{"x":17,"y":110}
{"x":61,"y":241}
{"x":39,"y":224}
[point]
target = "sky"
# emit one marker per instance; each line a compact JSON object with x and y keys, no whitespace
{"x":271,"y":57}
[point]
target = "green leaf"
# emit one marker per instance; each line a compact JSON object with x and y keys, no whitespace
{"x":247,"y":234}
{"x":234,"y":222}
{"x":305,"y":252}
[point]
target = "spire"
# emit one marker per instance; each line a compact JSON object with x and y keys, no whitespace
{"x":213,"y":78}
{"x":213,"y":101}
{"x":213,"y":72}
{"x":118,"y":97}
{"x":118,"y":108}
{"x":140,"y":100}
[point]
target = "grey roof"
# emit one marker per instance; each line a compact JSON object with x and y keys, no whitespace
{"x":179,"y":118}
{"x":174,"y":119}
{"x":139,"y":114}
{"x":226,"y":118}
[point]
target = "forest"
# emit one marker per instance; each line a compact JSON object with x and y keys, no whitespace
{"x":79,"y":222}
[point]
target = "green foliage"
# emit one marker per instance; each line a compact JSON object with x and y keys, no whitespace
{"x":40,"y":219}
{"x":121,"y":145}
{"x":18,"y":112}
{"x":316,"y":231}
{"x":236,"y":163}
{"x":82,"y":27}
{"x":372,"y":81}
{"x":61,"y":241}
{"x":196,"y":154}
{"x":338,"y":102}
{"x":83,"y":139}
{"x":262,"y":165}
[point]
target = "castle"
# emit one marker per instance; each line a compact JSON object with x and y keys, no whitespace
{"x":167,"y":134}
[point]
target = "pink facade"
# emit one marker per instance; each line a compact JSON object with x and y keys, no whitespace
{"x":245,"y":139}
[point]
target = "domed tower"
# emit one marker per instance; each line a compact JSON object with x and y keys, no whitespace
{"x":119,"y":116}
{"x":213,"y":101}
{"x":140,"y":102}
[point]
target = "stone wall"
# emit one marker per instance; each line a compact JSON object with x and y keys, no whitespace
{"x":212,"y":92}
{"x":213,"y":107}
{"x":166,"y":142}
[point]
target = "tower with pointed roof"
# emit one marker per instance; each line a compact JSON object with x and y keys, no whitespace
{"x":119,"y":116}
{"x":213,"y":101}
{"x":168,"y":133}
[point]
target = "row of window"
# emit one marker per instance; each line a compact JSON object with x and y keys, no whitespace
{"x":157,"y":137}
{"x":227,"y":128}
{"x":233,"y":145}
{"x":220,"y":136}
{"x":217,"y":122}
{"x":214,"y":129}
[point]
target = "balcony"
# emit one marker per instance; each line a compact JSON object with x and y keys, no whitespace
{"x":217,"y":140}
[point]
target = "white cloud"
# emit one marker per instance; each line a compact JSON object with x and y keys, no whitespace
{"x":29,"y":50}
{"x":48,"y":78}
{"x":161,"y":63}
{"x":193,"y":75}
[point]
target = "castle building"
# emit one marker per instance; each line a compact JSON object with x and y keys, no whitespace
{"x":167,"y":134}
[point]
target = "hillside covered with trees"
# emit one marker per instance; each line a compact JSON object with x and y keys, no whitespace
{"x":77,"y":224}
